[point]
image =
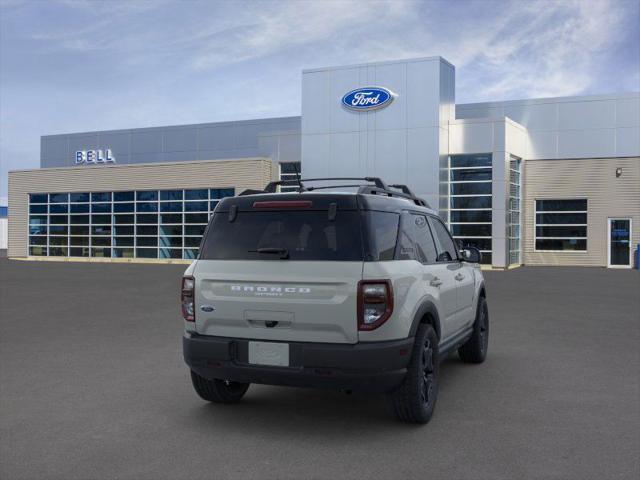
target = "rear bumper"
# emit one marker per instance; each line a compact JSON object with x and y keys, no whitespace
{"x":372,"y":367}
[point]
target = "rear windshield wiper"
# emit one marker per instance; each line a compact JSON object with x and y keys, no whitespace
{"x":283,"y":252}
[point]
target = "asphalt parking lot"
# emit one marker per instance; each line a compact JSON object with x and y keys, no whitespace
{"x":92,"y":386}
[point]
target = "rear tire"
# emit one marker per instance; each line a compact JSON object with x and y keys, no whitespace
{"x":218,"y":391}
{"x":415,"y":399}
{"x":475,"y":349}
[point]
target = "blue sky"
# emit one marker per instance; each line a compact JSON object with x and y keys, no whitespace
{"x":69,"y":66}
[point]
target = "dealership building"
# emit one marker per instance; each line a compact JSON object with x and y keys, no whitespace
{"x":547,"y":181}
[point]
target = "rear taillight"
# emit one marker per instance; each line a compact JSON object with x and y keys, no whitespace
{"x":375,"y":303}
{"x":188,"y":289}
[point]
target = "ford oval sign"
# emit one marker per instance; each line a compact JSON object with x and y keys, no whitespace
{"x":368,"y":98}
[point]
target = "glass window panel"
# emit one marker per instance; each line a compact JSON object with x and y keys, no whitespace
{"x":175,"y":242}
{"x":146,"y":218}
{"x":120,"y":230}
{"x":58,"y":251}
{"x":79,"y":219}
{"x":147,"y":252}
{"x":37,"y":220}
{"x":201,"y":194}
{"x":123,"y":241}
{"x":475,"y":160}
{"x":171,"y":218}
{"x":101,"y":230}
{"x":123,"y":219}
{"x":58,"y":208}
{"x":123,"y":252}
{"x":171,"y":230}
{"x":147,"y":241}
{"x":58,"y":230}
{"x":150,"y":195}
{"x":479,"y":243}
{"x":37,"y":240}
{"x":190,"y":253}
{"x":79,"y":241}
{"x":194,"y":229}
{"x":561,"y":205}
{"x":58,"y":197}
{"x":101,"y":197}
{"x":123,"y":207}
{"x":146,"y":230}
{"x":101,"y":208}
{"x":100,"y":241}
{"x":78,"y":251}
{"x":227,"y":192}
{"x":101,"y":219}
{"x":58,"y":241}
{"x":101,"y":252}
{"x":37,"y":209}
{"x":79,"y":197}
{"x":58,"y":219}
{"x":557,"y":244}
{"x":559,"y":218}
{"x":471,"y":216}
{"x":470,"y":202}
{"x":447,"y":245}
{"x":170,"y":253}
{"x":195,"y":206}
{"x":471,"y":230}
{"x":213,"y":205}
{"x":146,"y":207}
{"x":485,"y":258}
{"x":196,"y":218}
{"x":171,"y":195}
{"x":467,"y":175}
{"x":123,"y":196}
{"x":192,"y":241}
{"x":572,"y":231}
{"x":171,"y":207}
{"x":38,"y":251}
{"x":38,"y":197}
{"x":37,"y":229}
{"x":79,"y":208}
{"x":470,"y":188}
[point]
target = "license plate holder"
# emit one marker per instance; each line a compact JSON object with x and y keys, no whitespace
{"x":269,"y":353}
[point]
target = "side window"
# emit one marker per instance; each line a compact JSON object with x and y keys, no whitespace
{"x":446,"y":248}
{"x":416,"y":242}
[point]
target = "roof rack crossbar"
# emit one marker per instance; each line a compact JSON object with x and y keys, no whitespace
{"x":272,"y":186}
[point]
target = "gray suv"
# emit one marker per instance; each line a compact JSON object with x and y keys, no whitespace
{"x":354,"y":291}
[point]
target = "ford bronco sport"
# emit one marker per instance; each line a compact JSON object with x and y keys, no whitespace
{"x":360,"y":290}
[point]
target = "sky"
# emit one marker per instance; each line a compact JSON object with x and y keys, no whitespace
{"x":73,"y":66}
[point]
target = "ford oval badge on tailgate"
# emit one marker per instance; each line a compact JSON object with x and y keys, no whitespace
{"x":207,"y":308}
{"x":368,"y":98}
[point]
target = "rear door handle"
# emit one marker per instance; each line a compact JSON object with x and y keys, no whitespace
{"x":459,"y":277}
{"x":435,"y":282}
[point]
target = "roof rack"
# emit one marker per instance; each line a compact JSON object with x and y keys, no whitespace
{"x":374,"y":186}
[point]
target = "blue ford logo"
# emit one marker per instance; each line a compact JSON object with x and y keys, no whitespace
{"x":368,"y":98}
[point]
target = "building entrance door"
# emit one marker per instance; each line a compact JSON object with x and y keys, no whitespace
{"x":619,"y":244}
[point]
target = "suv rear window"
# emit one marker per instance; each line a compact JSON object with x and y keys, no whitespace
{"x":305,"y":235}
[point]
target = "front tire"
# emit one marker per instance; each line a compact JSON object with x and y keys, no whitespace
{"x":475,"y":349}
{"x":415,"y":399}
{"x":218,"y":391}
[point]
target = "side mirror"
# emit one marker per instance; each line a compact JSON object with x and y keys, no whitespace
{"x":471,"y":255}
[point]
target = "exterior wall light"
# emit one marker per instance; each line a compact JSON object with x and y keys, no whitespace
{"x":618,"y":172}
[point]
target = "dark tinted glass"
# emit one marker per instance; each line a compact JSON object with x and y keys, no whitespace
{"x":479,"y":243}
{"x":79,"y":219}
{"x":123,"y":219}
{"x":58,"y":219}
{"x":38,"y":198}
{"x":416,"y":241}
{"x":59,"y":208}
{"x":58,"y":197}
{"x":123,"y":196}
{"x":471,"y":230}
{"x":37,"y":219}
{"x":101,"y":208}
{"x":306,"y":235}
{"x":123,"y":252}
{"x":475,"y":160}
{"x":470,"y":188}
{"x":561,"y":205}
{"x":192,"y":241}
{"x":101,"y":219}
{"x":172,"y":218}
{"x":447,"y":247}
{"x":38,"y":230}
{"x":147,"y":241}
{"x":466,"y":175}
{"x":196,"y":206}
{"x":171,"y":230}
{"x":190,"y":254}
{"x":78,"y":252}
{"x":569,"y":244}
{"x":37,"y":240}
{"x":58,"y":251}
{"x":123,"y":241}
{"x":171,"y":195}
{"x":566,"y":218}
{"x":146,"y":218}
{"x":79,"y":230}
{"x":58,"y":241}
{"x":171,"y":207}
{"x":146,"y":230}
{"x":79,"y":241}
{"x":194,"y":218}
{"x":37,"y":251}
{"x":471,"y":216}
{"x":202,"y":194}
{"x":79,"y":197}
{"x":101,"y":252}
{"x":38,"y":209}
{"x":123,"y":207}
{"x":572,"y":231}
{"x":58,"y":230}
{"x":100,"y":241}
{"x":146,"y":207}
{"x":381,"y":236}
{"x":147,"y":252}
{"x":471,"y":202}
{"x":147,"y":196}
{"x":194,"y":229}
{"x":101,"y":230}
{"x":171,"y":242}
{"x":170,"y":253}
{"x":80,"y":208}
{"x":101,"y":197}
